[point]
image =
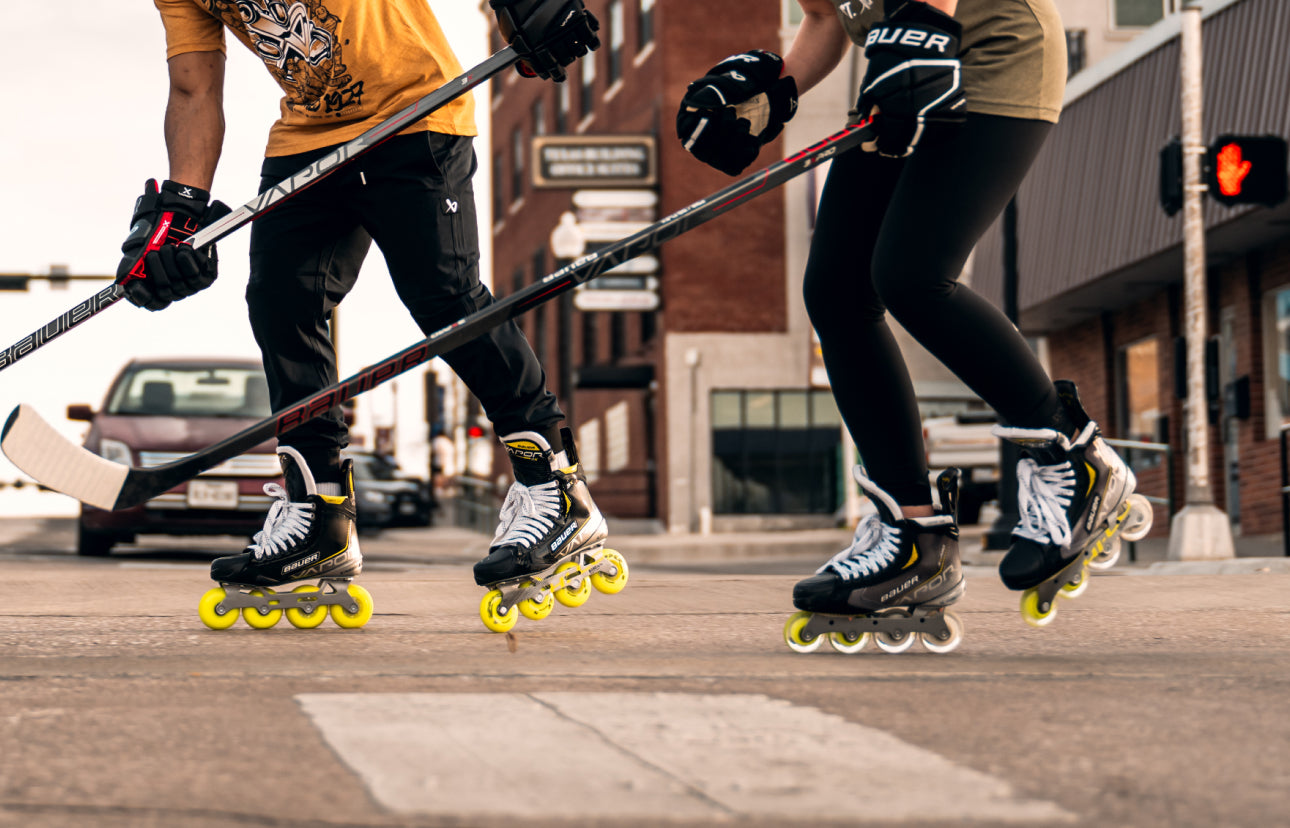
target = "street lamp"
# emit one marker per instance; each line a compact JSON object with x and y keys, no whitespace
{"x":567,"y":244}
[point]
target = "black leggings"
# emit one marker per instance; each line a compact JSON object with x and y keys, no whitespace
{"x":413,"y":197}
{"x":894,"y":235}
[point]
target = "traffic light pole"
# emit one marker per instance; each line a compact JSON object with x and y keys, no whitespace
{"x":1199,"y":530}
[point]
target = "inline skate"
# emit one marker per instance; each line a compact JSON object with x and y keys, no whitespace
{"x":893,"y":584}
{"x":1077,"y":501}
{"x":306,"y":535}
{"x":549,"y":545}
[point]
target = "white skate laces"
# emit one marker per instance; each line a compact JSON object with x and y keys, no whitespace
{"x":527,"y":514}
{"x":875,"y":546}
{"x":1043,"y":495}
{"x":286,"y":521}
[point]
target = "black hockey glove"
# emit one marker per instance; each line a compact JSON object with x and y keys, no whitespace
{"x":158,"y":267}
{"x":548,"y":35}
{"x":914,"y":80}
{"x":741,"y":104}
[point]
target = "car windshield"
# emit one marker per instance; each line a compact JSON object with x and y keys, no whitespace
{"x":374,"y":467}
{"x":192,"y":391}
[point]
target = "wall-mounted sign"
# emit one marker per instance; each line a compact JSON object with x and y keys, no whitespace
{"x":594,"y":161}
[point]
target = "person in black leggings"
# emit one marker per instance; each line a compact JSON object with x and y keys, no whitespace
{"x":962,"y":94}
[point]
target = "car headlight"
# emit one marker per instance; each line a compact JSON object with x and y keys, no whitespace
{"x":114,"y":450}
{"x":375,"y":498}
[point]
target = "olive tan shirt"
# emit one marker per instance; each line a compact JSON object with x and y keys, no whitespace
{"x":343,"y":65}
{"x":1013,"y":53}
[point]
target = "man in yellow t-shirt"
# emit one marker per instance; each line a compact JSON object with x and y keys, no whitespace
{"x":345,"y":66}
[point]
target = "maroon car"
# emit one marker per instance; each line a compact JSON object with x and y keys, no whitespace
{"x":159,"y":410}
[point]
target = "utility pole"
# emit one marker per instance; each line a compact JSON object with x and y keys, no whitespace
{"x":1200,"y":530}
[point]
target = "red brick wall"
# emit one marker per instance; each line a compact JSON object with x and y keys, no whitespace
{"x":1085,"y":353}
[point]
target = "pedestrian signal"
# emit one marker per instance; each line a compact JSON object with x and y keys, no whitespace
{"x":1247,"y":169}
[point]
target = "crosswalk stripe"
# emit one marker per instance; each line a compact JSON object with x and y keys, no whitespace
{"x":662,"y":755}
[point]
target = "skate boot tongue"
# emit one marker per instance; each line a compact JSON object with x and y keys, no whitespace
{"x":299,"y":480}
{"x":888,"y":509}
{"x":531,"y":458}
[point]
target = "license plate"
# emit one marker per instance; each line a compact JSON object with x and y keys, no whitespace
{"x":208,"y":494}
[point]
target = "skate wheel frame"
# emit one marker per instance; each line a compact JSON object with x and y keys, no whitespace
{"x":569,"y":582}
{"x":894,"y":631}
{"x":306,"y":605}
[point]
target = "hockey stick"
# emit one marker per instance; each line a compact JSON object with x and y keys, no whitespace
{"x":275,"y":195}
{"x":46,"y":455}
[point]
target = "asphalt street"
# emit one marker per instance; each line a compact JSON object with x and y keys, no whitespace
{"x":1156,"y":698}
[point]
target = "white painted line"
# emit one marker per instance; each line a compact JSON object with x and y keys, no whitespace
{"x":663,"y":755}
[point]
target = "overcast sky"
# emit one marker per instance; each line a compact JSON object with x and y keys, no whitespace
{"x":81,"y":133}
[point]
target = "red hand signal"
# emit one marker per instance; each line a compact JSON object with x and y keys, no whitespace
{"x":1231,"y":170}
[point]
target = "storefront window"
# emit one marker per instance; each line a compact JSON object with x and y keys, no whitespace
{"x":1132,"y":14}
{"x":775,"y":452}
{"x":1281,"y":304}
{"x":1140,"y":403}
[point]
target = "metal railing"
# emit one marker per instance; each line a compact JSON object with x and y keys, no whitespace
{"x":1132,"y":446}
{"x":1285,"y":493}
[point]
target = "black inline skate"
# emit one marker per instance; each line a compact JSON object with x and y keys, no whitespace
{"x":549,"y":545}
{"x":1076,"y":499}
{"x":892,"y":584}
{"x":306,"y":535}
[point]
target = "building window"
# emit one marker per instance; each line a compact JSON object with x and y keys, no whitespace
{"x":776,"y":452}
{"x":617,"y":35}
{"x":588,"y":85}
{"x":645,"y":25}
{"x":1141,"y":409}
{"x":539,"y":116}
{"x":590,"y":334}
{"x":1076,"y":52}
{"x":499,"y":183}
{"x":1136,"y":14}
{"x":540,"y":312}
{"x":517,"y":164}
{"x":563,"y":106}
{"x":1276,"y":326}
{"x":617,"y":336}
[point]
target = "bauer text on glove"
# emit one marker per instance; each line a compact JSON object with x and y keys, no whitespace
{"x":914,"y":81}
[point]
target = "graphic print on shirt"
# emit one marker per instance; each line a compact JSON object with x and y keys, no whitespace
{"x":298,"y":43}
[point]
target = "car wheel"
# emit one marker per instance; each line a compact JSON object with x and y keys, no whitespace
{"x":93,"y":544}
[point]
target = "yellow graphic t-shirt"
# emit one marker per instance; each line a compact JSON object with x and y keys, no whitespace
{"x":344,"y":65}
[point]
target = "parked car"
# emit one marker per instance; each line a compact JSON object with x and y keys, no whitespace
{"x":159,"y":410}
{"x":386,"y":496}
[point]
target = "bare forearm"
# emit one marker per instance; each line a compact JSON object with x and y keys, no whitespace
{"x":818,"y":46}
{"x":194,"y":124}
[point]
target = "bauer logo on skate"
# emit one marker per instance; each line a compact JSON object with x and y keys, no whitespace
{"x":294,"y":565}
{"x":564,"y":536}
{"x":900,"y":588}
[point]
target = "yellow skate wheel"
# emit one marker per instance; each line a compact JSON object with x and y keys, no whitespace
{"x":1138,"y":523}
{"x":306,"y":618}
{"x":535,"y":608}
{"x":611,"y":584}
{"x":795,"y":636}
{"x":1076,"y":590}
{"x":849,"y":642}
{"x":1030,"y":610}
{"x":206,"y":610}
{"x":895,"y":642}
{"x":353,"y":620}
{"x":1108,"y":557}
{"x":935,"y":645}
{"x":490,"y":613}
{"x":262,"y":620}
{"x":576,"y":593}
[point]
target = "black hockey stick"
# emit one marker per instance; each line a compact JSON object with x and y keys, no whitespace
{"x":46,"y":455}
{"x":275,"y":195}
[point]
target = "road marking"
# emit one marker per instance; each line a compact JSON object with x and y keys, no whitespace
{"x":664,"y":755}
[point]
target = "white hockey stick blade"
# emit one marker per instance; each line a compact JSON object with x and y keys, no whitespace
{"x":41,"y":451}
